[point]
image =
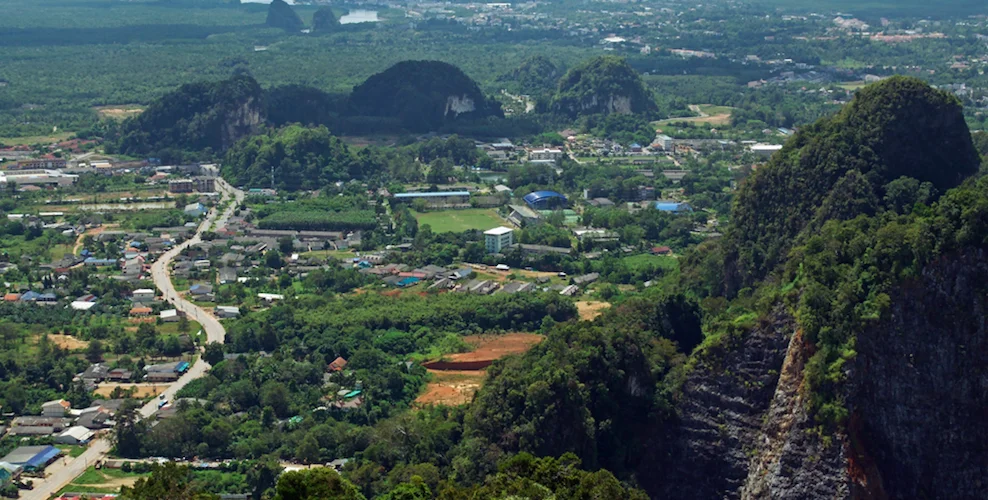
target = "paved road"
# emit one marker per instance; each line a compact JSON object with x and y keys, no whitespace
{"x":59,"y":473}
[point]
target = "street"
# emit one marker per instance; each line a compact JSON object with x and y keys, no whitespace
{"x":58,"y":474}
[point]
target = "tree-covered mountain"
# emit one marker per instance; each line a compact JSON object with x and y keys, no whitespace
{"x":422,"y":96}
{"x":324,"y":21}
{"x":847,"y":165}
{"x":196,"y":116}
{"x":281,"y":15}
{"x":535,"y":76}
{"x":602,"y":85}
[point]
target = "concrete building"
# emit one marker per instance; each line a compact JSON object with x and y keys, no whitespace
{"x":498,"y":238}
{"x":142,"y":295}
{"x":765,"y":150}
{"x":181,"y":186}
{"x":664,"y":142}
{"x":41,"y":163}
{"x":56,"y":408}
{"x":54,"y":178}
{"x":169,"y":315}
{"x":223,"y":312}
{"x":545,"y":154}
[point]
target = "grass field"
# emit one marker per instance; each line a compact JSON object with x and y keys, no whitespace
{"x":456,"y":221}
{"x":71,"y":450}
{"x":642,"y":260}
{"x":39,"y":139}
{"x":102,"y":481}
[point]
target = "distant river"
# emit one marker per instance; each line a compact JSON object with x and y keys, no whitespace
{"x":360,"y":16}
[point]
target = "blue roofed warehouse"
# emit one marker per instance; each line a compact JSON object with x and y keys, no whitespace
{"x":545,"y":200}
{"x":32,"y":458}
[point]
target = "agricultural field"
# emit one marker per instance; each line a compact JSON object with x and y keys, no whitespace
{"x":457,"y":221}
{"x":102,"y":481}
{"x":706,"y":113}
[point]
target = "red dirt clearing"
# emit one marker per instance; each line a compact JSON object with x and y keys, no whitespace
{"x":457,"y":377}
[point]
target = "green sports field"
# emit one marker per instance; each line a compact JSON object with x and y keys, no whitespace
{"x":456,"y":221}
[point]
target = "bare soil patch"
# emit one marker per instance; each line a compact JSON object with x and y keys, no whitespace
{"x":451,"y":386}
{"x":590,"y":310}
{"x":142,"y":391}
{"x":67,"y":342}
{"x":119,"y":112}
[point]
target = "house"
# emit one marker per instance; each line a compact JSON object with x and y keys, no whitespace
{"x":673,"y":207}
{"x":337,"y":365}
{"x":140,"y":311}
{"x":76,"y":435}
{"x":94,"y":420}
{"x":9,"y":473}
{"x":498,"y":238}
{"x":169,"y":315}
{"x":46,"y":298}
{"x":569,"y":291}
{"x":96,"y":373}
{"x":517,"y":287}
{"x":224,"y":312}
{"x":663,"y":250}
{"x":32,"y":458}
{"x":56,"y":408}
{"x":11,"y":297}
{"x":270,"y":297}
{"x":119,"y":375}
{"x":94,"y":262}
{"x":142,"y":295}
{"x":462,"y":273}
{"x":586,"y":279}
{"x":765,"y":150}
{"x":602,"y":203}
{"x":479,"y":287}
{"x":227,"y":275}
{"x":79,"y":305}
{"x":195,"y":209}
{"x":200,"y":289}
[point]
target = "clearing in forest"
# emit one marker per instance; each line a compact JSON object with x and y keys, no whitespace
{"x":143,"y":390}
{"x":67,"y":342}
{"x":457,"y":377}
{"x":589,"y":310}
{"x":119,"y":112}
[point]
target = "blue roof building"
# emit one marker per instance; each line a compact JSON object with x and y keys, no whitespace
{"x":675,"y":207}
{"x":545,"y":200}
{"x":32,"y":458}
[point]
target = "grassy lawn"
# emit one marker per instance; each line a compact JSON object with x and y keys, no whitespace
{"x":456,"y":221}
{"x":172,"y":328}
{"x":101,"y":481}
{"x":71,"y":450}
{"x":642,"y":260}
{"x":40,"y":139}
{"x":715,"y":110}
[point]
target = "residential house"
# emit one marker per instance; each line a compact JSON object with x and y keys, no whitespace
{"x":224,"y":312}
{"x":140,"y":312}
{"x":56,"y":408}
{"x":169,"y":315}
{"x":586,"y":279}
{"x":337,"y":365}
{"x":142,"y":295}
{"x":195,"y":209}
{"x":227,"y":275}
{"x":517,"y":287}
{"x":77,"y":435}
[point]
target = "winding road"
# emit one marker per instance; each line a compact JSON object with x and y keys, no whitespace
{"x":63,"y":471}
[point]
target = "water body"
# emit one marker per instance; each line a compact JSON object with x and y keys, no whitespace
{"x":360,"y":16}
{"x":289,"y":2}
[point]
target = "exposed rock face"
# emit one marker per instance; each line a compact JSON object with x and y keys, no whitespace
{"x":919,"y":389}
{"x":459,"y":104}
{"x":720,"y":412}
{"x":790,"y":460}
{"x":243,"y":121}
{"x":324,"y":21}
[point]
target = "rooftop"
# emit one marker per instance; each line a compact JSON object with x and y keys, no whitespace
{"x":498,"y":231}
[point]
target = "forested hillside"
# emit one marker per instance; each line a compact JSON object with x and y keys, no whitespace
{"x":195,"y":117}
{"x":898,"y":143}
{"x":421,"y":96}
{"x":604,"y":85}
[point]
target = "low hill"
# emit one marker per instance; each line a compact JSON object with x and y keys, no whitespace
{"x":421,"y":96}
{"x":603,"y":85}
{"x":324,"y":21}
{"x":534,"y":76}
{"x":194,"y":117}
{"x":281,"y":15}
{"x":848,"y":165}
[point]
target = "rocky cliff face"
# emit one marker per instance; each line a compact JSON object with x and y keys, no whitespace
{"x":720,"y":414}
{"x":244,"y":120}
{"x":917,"y":392}
{"x":919,"y":386}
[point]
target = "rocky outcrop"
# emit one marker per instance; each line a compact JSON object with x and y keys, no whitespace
{"x":720,"y":413}
{"x":790,"y":459}
{"x":919,"y":387}
{"x":243,"y":121}
{"x":456,"y":105}
{"x":918,"y":396}
{"x":281,"y":15}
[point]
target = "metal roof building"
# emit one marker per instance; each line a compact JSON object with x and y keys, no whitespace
{"x":545,"y":200}
{"x":32,"y":457}
{"x":435,"y":194}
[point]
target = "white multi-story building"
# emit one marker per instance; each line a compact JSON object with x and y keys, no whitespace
{"x":498,"y":238}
